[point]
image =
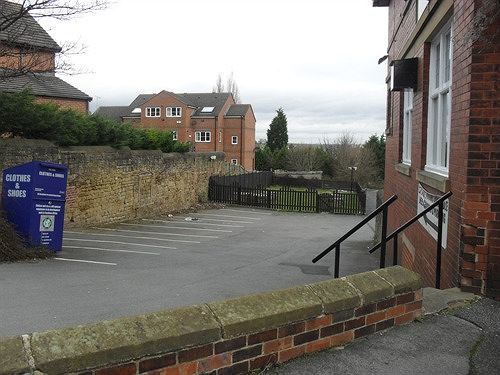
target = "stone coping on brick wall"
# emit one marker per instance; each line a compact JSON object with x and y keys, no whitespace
{"x":226,"y":337}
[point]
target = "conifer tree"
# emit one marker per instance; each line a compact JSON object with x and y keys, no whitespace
{"x":277,"y":134}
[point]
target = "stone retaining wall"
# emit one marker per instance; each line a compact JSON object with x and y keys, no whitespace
{"x":107,"y":185}
{"x":228,"y":337}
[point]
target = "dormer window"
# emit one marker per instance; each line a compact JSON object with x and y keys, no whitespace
{"x":174,"y":111}
{"x":153,"y":111}
{"x":207,"y":109}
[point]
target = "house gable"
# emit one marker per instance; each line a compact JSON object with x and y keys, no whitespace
{"x":163,"y":99}
{"x":26,"y":31}
{"x":240,"y":110}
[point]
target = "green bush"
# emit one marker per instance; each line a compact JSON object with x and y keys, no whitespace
{"x":21,"y":116}
{"x":266,"y":159}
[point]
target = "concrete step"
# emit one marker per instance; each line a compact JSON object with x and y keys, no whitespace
{"x":436,"y":300}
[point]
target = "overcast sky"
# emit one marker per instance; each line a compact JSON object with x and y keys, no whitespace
{"x":317,"y":59}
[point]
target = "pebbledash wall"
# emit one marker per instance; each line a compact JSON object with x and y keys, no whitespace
{"x":227,"y":337}
{"x":106,"y":185}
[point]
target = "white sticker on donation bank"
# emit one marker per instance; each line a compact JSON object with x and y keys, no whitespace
{"x":430,"y":220}
{"x":47,"y":223}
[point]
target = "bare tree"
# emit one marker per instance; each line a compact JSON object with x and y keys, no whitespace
{"x":24,"y":46}
{"x":219,"y":86}
{"x":305,"y":158}
{"x":344,"y":152}
{"x":231,"y":86}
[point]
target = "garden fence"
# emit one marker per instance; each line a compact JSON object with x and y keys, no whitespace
{"x":254,"y":189}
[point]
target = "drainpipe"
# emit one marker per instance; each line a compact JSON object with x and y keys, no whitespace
{"x":216,"y":135}
{"x":241,"y":140}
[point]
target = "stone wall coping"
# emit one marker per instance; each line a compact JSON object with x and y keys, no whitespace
{"x":24,"y":142}
{"x":90,"y":346}
{"x":41,"y":143}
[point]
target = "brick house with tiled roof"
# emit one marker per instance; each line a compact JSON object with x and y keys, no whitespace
{"x":27,"y":60}
{"x":210,"y":121}
{"x":443,"y":134}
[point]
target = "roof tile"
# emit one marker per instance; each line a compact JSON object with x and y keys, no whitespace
{"x":42,"y":84}
{"x":24,"y":31}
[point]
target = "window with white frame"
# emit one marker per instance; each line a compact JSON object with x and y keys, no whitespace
{"x":234,"y":161}
{"x":153,"y":111}
{"x":174,"y":111}
{"x":234,"y":140}
{"x":174,"y":135}
{"x":220,"y":136}
{"x":202,"y":136}
{"x":407,"y":121}
{"x":439,"y":117}
{"x":421,"y":4}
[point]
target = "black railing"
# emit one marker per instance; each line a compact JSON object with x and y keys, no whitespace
{"x":336,"y":245}
{"x":245,"y":180}
{"x":394,"y":235}
{"x":288,"y":199}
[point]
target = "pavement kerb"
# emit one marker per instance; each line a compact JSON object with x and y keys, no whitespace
{"x":106,"y":343}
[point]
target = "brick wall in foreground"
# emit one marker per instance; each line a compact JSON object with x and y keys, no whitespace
{"x":234,"y":336}
{"x":264,"y":349}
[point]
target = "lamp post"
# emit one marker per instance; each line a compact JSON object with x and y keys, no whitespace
{"x":352,"y":169}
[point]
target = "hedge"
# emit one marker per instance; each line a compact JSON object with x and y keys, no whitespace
{"x":21,"y":116}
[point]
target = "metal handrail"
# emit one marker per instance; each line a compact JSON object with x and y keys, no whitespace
{"x":394,"y":235}
{"x":336,"y":245}
{"x":411,"y":221}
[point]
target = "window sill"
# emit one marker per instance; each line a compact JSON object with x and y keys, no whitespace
{"x":441,"y":183}
{"x":403,"y":168}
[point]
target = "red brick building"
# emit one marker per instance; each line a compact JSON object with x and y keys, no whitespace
{"x":443,"y":134}
{"x":210,"y":121}
{"x":28,"y":60}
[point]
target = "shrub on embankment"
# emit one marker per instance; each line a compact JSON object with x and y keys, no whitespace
{"x":21,"y":116}
{"x":13,"y":248}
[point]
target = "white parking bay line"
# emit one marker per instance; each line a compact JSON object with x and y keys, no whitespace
{"x":236,"y":217}
{"x":194,"y":222}
{"x":111,"y":250}
{"x":134,"y":237}
{"x":183,"y":228}
{"x":121,"y":243}
{"x":246,"y":211}
{"x":156,"y":233}
{"x":86,"y":261}
{"x":202,"y":220}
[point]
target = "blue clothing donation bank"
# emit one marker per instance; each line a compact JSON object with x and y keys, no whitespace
{"x":33,"y":198}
